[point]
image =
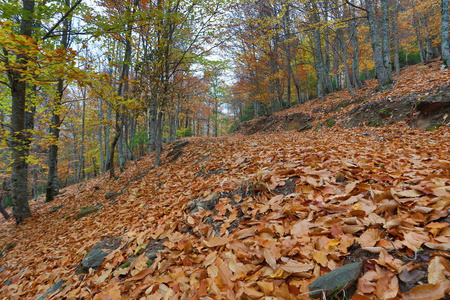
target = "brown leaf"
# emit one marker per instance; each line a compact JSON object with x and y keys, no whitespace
{"x":428,"y":291}
{"x":436,"y":270}
{"x":216,"y":241}
{"x":296,"y":267}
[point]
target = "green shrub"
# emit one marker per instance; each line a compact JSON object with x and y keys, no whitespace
{"x":185,"y":132}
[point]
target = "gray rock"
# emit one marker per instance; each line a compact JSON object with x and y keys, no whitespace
{"x":97,"y":255}
{"x":2,"y":269}
{"x":337,"y":280}
{"x":153,"y":247}
{"x":111,"y":195}
{"x":88,"y":210}
{"x":58,"y":285}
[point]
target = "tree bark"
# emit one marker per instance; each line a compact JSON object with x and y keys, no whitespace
{"x":396,"y":39}
{"x":385,"y":35}
{"x":384,"y":75}
{"x":52,"y":181}
{"x":19,"y":141}
{"x":445,"y":44}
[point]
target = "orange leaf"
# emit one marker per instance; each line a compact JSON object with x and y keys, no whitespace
{"x":216,"y":241}
{"x":296,"y":267}
{"x":428,"y":291}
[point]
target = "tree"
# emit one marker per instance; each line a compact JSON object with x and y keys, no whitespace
{"x":445,"y":34}
{"x":19,"y":140}
{"x":21,"y":51}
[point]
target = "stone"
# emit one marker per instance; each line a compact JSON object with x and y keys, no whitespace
{"x":434,"y":102}
{"x":58,"y":285}
{"x":337,"y":280}
{"x":88,"y":210}
{"x":111,"y":195}
{"x":153,"y":247}
{"x":97,"y":255}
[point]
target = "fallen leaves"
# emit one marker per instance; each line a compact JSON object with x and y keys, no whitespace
{"x":248,"y":239}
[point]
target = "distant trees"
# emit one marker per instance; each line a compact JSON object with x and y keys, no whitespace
{"x":317,"y":46}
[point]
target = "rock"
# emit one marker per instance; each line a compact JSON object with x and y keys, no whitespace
{"x":412,"y":276}
{"x":97,"y":255}
{"x":177,"y":150}
{"x":111,"y":195}
{"x":56,"y":208}
{"x":434,"y":102}
{"x":88,"y":210}
{"x":153,"y":247}
{"x":6,"y":249}
{"x":298,"y":121}
{"x":337,"y":280}
{"x":2,"y":269}
{"x":58,"y":285}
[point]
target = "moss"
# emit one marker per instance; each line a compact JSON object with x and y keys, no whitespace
{"x":386,"y":112}
{"x":330,"y":122}
{"x":375,"y":123}
{"x":433,"y":127}
{"x":318,"y":127}
{"x":345,"y":103}
{"x":56,"y":208}
{"x":149,"y":262}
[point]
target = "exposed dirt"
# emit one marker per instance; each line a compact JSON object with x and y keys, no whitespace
{"x":404,"y":102}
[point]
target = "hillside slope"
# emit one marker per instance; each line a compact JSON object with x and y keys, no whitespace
{"x":369,"y":107}
{"x":248,"y":217}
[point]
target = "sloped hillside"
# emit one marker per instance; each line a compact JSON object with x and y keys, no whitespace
{"x":368,"y":107}
{"x":248,"y":217}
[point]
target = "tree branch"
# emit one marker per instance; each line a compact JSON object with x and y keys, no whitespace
{"x":47,"y":35}
{"x":356,"y":6}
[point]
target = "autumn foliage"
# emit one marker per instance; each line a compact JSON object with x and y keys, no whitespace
{"x":279,"y":210}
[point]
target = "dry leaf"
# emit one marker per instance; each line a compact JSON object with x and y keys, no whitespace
{"x":216,"y":241}
{"x":428,"y":291}
{"x":436,"y":270}
{"x":296,"y":267}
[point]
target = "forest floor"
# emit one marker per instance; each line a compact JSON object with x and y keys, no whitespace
{"x":256,"y":216}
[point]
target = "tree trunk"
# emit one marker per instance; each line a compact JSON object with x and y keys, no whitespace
{"x":445,"y":45}
{"x":159,"y":130}
{"x":83,"y":129}
{"x":384,"y":75}
{"x":19,"y":142}
{"x":396,"y":39}
{"x":385,"y":35}
{"x":52,"y":181}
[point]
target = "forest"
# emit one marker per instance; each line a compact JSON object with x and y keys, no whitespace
{"x":202,"y":135}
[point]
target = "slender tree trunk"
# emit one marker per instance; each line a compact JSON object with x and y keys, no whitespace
{"x":396,"y":39}
{"x":123,"y":87}
{"x":158,"y":139}
{"x":19,"y":142}
{"x":52,"y":181}
{"x":2,"y":200}
{"x":355,"y":55}
{"x":384,"y":75}
{"x":385,"y":35}
{"x":445,"y":44}
{"x":100,"y":138}
{"x":83,"y":129}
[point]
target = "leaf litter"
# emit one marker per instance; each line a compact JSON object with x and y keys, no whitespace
{"x":252,"y":217}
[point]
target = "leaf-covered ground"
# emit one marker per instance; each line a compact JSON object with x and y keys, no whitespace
{"x":250,"y":217}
